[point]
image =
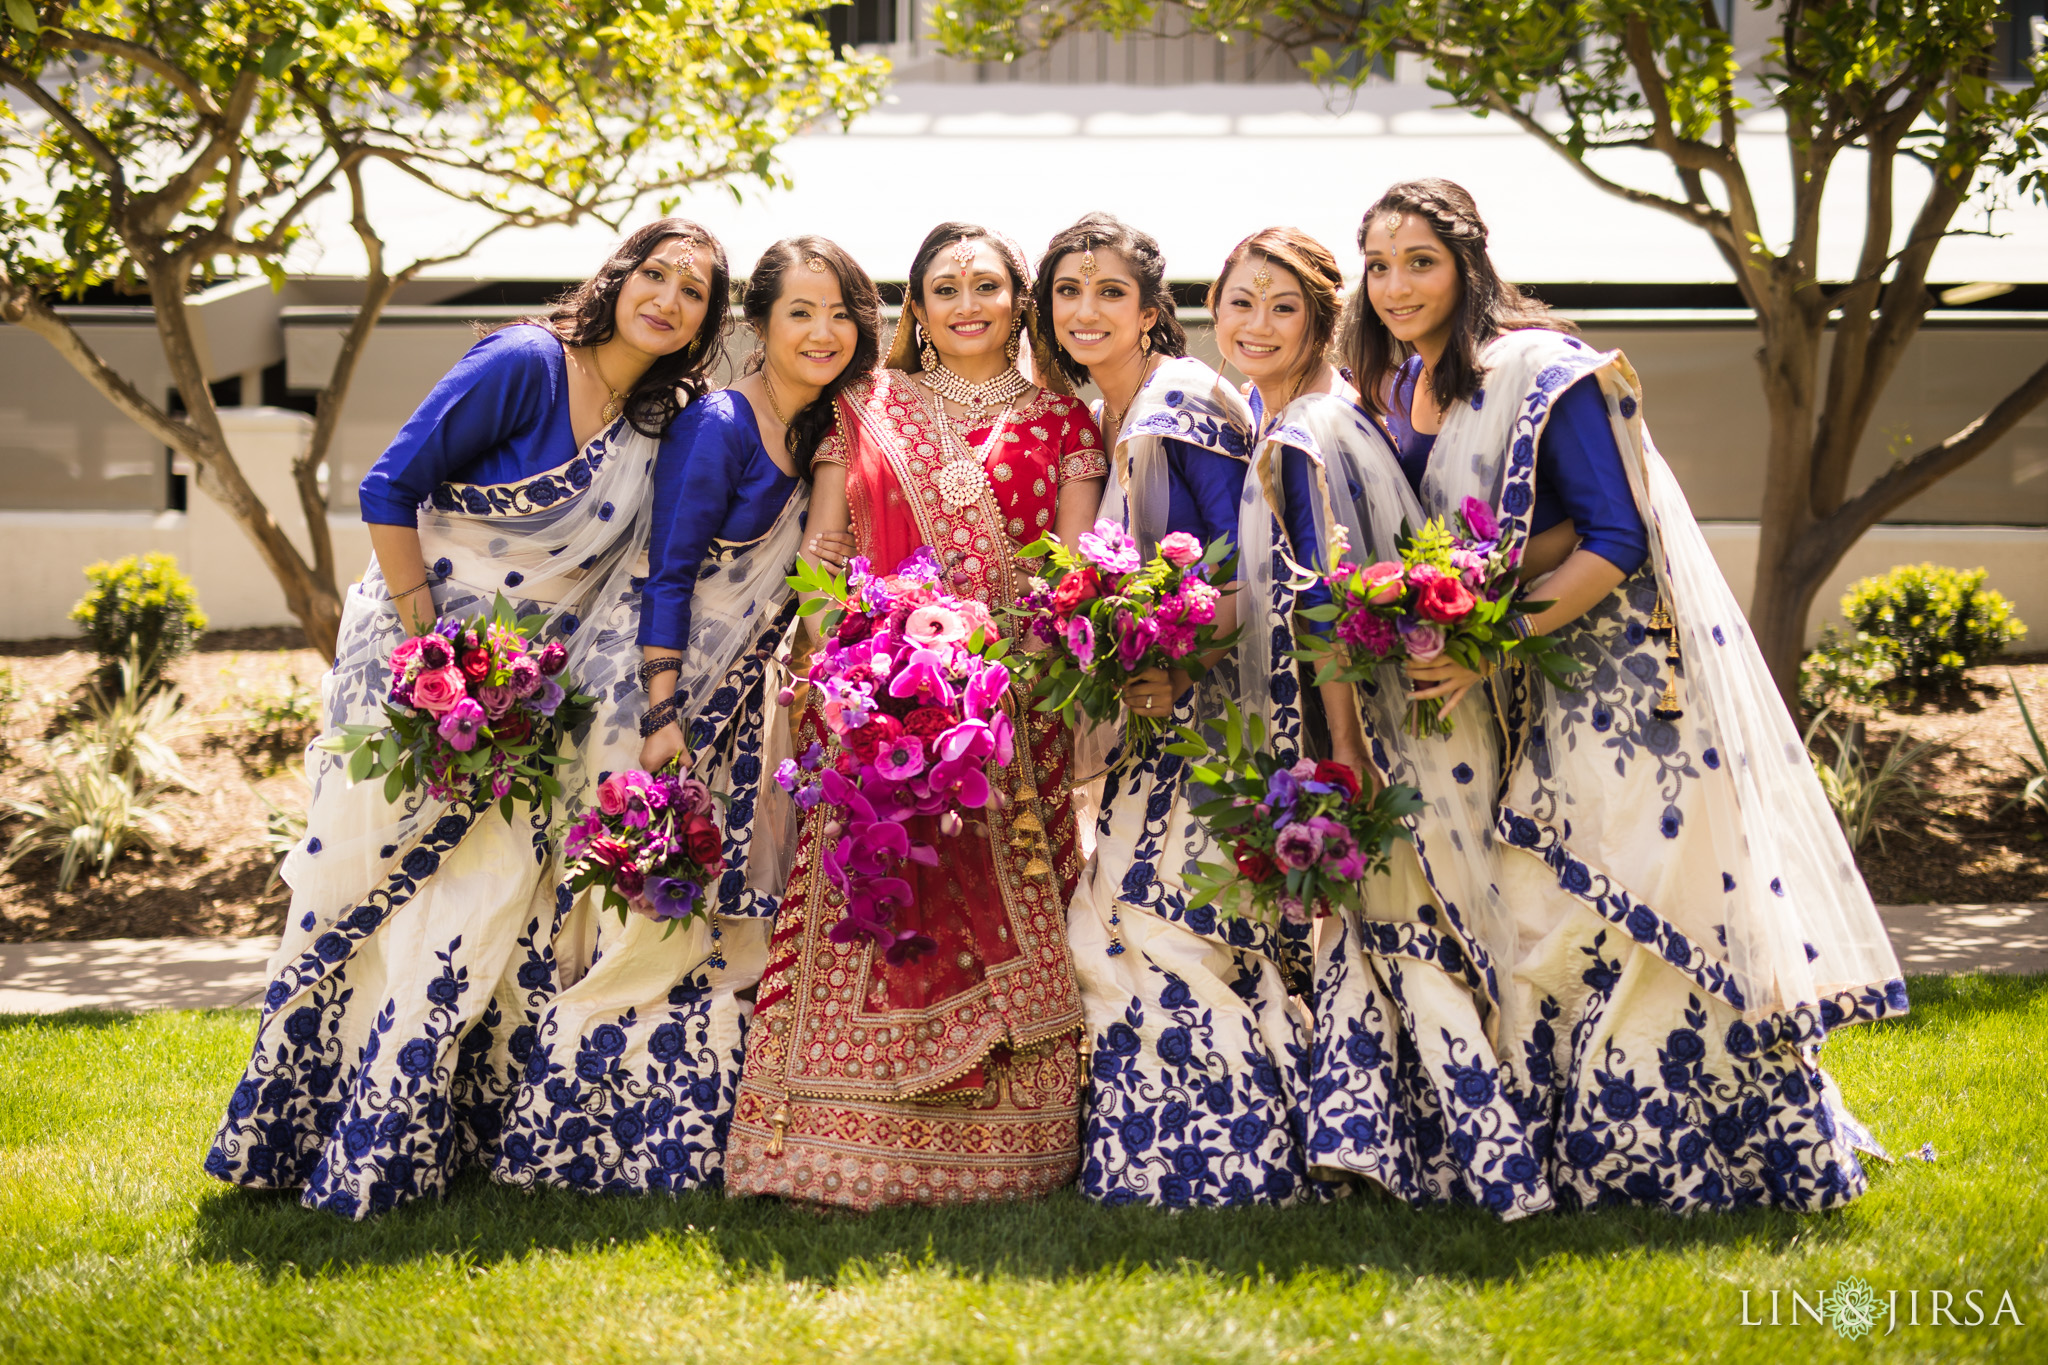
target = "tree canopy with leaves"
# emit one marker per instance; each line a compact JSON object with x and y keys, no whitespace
{"x":159,"y":145}
{"x":1909,"y":89}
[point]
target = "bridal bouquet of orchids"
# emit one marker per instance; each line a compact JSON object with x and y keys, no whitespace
{"x":475,"y":711}
{"x":650,"y":843}
{"x":911,"y":681}
{"x":1302,"y":836}
{"x":1451,"y":594}
{"x":1104,"y":617}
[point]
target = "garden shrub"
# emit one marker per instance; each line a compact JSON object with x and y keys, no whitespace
{"x":1934,"y":623}
{"x":143,"y":599}
{"x":1846,"y":667}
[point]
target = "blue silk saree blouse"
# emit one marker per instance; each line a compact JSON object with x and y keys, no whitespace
{"x":1579,"y":474}
{"x":493,"y":436}
{"x":714,"y":483}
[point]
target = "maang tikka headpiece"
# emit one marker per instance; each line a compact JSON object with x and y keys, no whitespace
{"x":963,"y":252}
{"x":815,"y":264}
{"x":1087,"y":264}
{"x":1262,"y":280}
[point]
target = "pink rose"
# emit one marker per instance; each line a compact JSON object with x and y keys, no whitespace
{"x":1180,"y":549}
{"x":438,"y":689}
{"x":611,"y":794}
{"x":404,"y":652}
{"x":1381,"y":582}
{"x":496,"y":700}
{"x":1423,"y":642}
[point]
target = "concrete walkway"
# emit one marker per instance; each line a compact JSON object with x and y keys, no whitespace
{"x":227,"y":973}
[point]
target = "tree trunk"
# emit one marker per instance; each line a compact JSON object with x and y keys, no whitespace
{"x":309,"y":596}
{"x":1785,"y":581}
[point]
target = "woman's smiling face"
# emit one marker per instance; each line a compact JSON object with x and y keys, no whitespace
{"x":1095,"y":306}
{"x":663,"y":302}
{"x":969,"y":303}
{"x":1411,"y":280}
{"x":1262,"y":320}
{"x":810,"y":335}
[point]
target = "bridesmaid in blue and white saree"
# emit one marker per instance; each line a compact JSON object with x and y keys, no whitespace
{"x":421,"y":940}
{"x":630,"y":1079}
{"x":1685,"y":921}
{"x":1198,"y":1048}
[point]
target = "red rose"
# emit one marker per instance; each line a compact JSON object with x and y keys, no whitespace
{"x":705,"y":842}
{"x":853,"y":628}
{"x":1334,"y":774}
{"x":870,"y":739}
{"x":846,"y":765}
{"x":1444,"y":599}
{"x":1253,"y":865}
{"x":1074,"y":589}
{"x":928,"y":722}
{"x":476,"y":664}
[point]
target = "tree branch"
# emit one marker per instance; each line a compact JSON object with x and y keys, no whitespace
{"x":117,"y":178}
{"x":1908,"y":478}
{"x":21,"y":307}
{"x":149,"y":59}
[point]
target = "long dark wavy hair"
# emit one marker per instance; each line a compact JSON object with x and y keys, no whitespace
{"x":588,"y":316}
{"x":1311,"y":263}
{"x":904,"y":345}
{"x":1487,"y":304}
{"x":1105,"y":232}
{"x":813,"y":422}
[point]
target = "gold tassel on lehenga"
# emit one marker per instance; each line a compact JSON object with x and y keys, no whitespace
{"x":1663,"y":628}
{"x":1027,"y":834}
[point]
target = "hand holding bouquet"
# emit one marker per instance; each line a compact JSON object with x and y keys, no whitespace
{"x":651,"y":844}
{"x":1106,"y":618}
{"x":1448,"y":596}
{"x":1302,"y":836}
{"x":911,"y":680}
{"x":475,"y":711}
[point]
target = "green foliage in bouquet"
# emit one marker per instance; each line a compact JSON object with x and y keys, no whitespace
{"x":465,"y":751}
{"x":1302,"y":836}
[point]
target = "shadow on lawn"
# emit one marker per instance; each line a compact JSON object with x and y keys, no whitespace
{"x":1060,"y":1236}
{"x":483,"y":1223}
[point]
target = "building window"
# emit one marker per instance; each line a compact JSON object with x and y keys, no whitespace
{"x":863,"y":21}
{"x":2020,"y":37}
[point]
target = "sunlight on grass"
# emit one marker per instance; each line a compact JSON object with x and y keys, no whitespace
{"x":115,"y":1246}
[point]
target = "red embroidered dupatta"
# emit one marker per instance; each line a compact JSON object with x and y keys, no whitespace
{"x":955,"y":1077}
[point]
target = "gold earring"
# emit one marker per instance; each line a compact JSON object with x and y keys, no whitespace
{"x":1145,"y":343}
{"x":926,"y":356}
{"x":1013,"y":345}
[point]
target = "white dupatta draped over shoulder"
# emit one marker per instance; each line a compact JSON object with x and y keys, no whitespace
{"x":1786,"y":933}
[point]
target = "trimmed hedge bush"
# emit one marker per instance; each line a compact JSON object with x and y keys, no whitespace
{"x":1914,"y":631}
{"x":141,"y":603}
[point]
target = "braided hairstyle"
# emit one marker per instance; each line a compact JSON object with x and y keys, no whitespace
{"x":813,"y":422}
{"x":1487,"y":304}
{"x":1104,"y":232}
{"x":588,"y":316}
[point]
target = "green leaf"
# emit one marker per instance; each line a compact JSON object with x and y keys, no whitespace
{"x":394,"y":783}
{"x":359,"y":764}
{"x":280,"y":55}
{"x":24,"y":16}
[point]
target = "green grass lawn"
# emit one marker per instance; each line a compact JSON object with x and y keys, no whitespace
{"x":114,"y":1245}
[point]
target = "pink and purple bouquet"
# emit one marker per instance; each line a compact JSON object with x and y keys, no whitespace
{"x":1301,"y":836}
{"x":910,"y":681}
{"x":1450,"y":595}
{"x":476,"y":710}
{"x":1104,"y":617}
{"x":650,"y":843}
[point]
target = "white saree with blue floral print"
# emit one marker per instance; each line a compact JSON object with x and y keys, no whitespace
{"x":1198,"y":1050}
{"x":1613,"y":986}
{"x":421,"y":943}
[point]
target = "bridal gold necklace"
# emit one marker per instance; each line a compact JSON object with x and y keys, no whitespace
{"x":963,"y":478}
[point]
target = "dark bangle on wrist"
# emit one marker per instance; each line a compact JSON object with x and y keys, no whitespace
{"x":659,"y":716}
{"x":653,"y":668}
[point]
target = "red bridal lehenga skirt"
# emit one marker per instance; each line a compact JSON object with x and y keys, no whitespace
{"x":951,"y":1079}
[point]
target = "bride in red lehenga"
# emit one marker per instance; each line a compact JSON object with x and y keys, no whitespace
{"x":954,"y":1077}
